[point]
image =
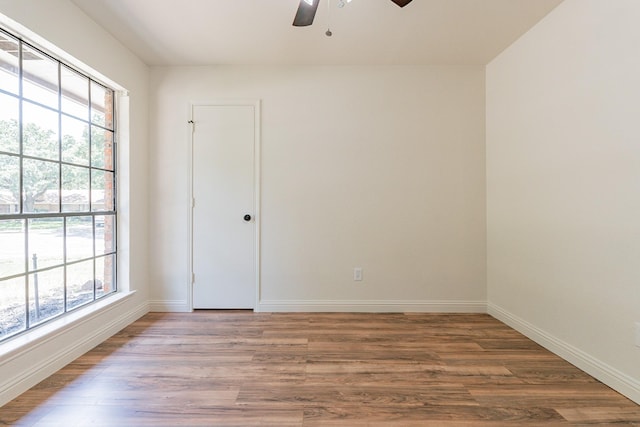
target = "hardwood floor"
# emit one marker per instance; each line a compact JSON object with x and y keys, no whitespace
{"x":235,"y":368}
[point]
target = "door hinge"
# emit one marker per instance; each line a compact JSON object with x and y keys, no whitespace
{"x":193,"y":278}
{"x":193,"y":202}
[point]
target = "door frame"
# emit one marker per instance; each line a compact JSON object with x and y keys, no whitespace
{"x":257,"y":178}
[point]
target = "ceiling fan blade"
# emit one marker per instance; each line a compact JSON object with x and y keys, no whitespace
{"x":401,"y":3}
{"x":305,"y":14}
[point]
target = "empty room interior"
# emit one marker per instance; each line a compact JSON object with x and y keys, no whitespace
{"x":463,"y":166}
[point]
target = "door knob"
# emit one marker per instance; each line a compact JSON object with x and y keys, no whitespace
{"x":247,"y":217}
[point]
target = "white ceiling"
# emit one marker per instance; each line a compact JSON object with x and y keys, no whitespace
{"x":365,"y":32}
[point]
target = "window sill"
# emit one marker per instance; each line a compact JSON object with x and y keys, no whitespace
{"x":27,"y":341}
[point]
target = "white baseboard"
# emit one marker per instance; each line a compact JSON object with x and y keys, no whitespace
{"x":610,"y":376}
{"x":31,"y":375}
{"x":171,"y":306}
{"x":373,"y":306}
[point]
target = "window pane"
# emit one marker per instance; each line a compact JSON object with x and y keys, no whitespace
{"x":9,"y":54}
{"x":75,"y":141}
{"x":75,"y":93}
{"x":9,"y":115}
{"x":9,"y":184}
{"x":101,"y":105}
{"x":12,"y":248}
{"x":40,"y":180}
{"x":40,"y":132}
{"x":101,"y":148}
{"x":105,"y":275}
{"x":46,"y":295}
{"x":102,"y":194}
{"x":45,"y":243}
{"x":39,"y":77}
{"x":75,"y":189}
{"x":79,"y":238}
{"x":105,"y":234}
{"x":13,"y":312}
{"x":57,"y":160}
{"x":79,"y":284}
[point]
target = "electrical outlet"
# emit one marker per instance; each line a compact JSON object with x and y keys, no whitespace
{"x":357,"y":274}
{"x":638,"y":334}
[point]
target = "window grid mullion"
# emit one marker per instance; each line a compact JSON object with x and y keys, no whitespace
{"x":65,"y":303}
{"x":25,"y":222}
{"x":60,"y":144}
{"x":93,"y":261}
{"x":20,"y":127}
{"x":60,"y":187}
{"x":91,"y":159}
{"x":27,"y":278}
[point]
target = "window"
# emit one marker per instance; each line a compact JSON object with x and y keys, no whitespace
{"x":57,"y":188}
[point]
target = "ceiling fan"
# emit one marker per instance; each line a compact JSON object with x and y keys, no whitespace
{"x":307,"y":11}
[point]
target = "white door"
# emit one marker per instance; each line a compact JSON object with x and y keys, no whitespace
{"x":223,"y":222}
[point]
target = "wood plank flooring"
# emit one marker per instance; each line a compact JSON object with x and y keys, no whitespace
{"x":236,"y":368}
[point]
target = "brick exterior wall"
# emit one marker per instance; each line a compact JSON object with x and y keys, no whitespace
{"x":109,"y":194}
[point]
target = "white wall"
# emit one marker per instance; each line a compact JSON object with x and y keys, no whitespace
{"x":373,"y":167}
{"x":563,"y":186}
{"x":65,"y":26}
